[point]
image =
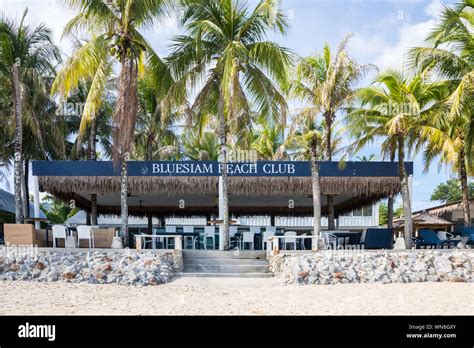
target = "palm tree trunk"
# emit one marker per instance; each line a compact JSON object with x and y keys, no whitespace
{"x":25,"y":191}
{"x":123,"y":200}
{"x":466,"y":209}
{"x":93,"y":157}
{"x":149,"y":148}
{"x":316,"y":184}
{"x":408,"y":225}
{"x":124,"y":127}
{"x":18,"y":155}
{"x":328,"y":156}
{"x":390,"y":200}
{"x":223,"y":160}
{"x":331,"y":213}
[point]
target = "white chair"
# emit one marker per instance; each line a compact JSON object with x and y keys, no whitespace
{"x":330,"y":240}
{"x":445,"y":235}
{"x":290,"y":240}
{"x":301,"y":241}
{"x":85,"y":232}
{"x":265,"y":235}
{"x":248,"y":237}
{"x":209,"y":232}
{"x":145,"y":242}
{"x":189,"y":229}
{"x":59,"y":232}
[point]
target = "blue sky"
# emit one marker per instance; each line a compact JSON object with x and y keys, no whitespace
{"x":383,"y":31}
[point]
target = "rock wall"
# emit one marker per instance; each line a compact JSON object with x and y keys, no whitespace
{"x":333,"y":267}
{"x":94,"y":267}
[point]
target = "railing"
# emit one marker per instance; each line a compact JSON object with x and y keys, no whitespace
{"x":348,"y":221}
{"x":342,"y":221}
{"x":273,"y":242}
{"x":177,"y":240}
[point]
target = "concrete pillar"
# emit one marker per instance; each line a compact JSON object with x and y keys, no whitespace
{"x":37,"y":211}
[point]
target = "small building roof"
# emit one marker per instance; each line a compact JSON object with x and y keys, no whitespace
{"x":424,"y":219}
{"x":443,"y":208}
{"x":7,"y":203}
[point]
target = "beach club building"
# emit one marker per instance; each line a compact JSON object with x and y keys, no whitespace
{"x":186,"y":196}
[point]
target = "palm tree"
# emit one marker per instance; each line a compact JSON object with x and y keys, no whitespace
{"x":391,"y":110}
{"x":326,"y":82}
{"x":365,"y":158}
{"x":203,"y":147}
{"x":155,"y":137}
{"x":269,"y":140}
{"x":225,"y":46}
{"x":112,"y":26}
{"x":306,"y":137}
{"x":26,"y":53}
{"x":451,"y":60}
{"x":444,"y":137}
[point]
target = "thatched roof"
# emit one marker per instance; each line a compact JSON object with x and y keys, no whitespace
{"x":247,"y":186}
{"x":363,"y":191}
{"x":424,"y":219}
{"x":444,"y":208}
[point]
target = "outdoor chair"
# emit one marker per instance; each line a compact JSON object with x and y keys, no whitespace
{"x":85,"y":233}
{"x":171,"y":230}
{"x":248,"y":237}
{"x":377,"y":238}
{"x":147,"y":243}
{"x":301,"y":241}
{"x":265,"y":236}
{"x":189,"y":229}
{"x":330,"y":240}
{"x":209,"y":232}
{"x":468,"y":232}
{"x":291,"y":241}
{"x":59,"y":232}
{"x":431,"y":239}
{"x":444,"y":235}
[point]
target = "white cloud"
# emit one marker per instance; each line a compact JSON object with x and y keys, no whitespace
{"x":434,"y":8}
{"x":50,"y":12}
{"x":386,"y":54}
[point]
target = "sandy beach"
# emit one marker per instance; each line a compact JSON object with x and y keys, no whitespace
{"x":234,"y":296}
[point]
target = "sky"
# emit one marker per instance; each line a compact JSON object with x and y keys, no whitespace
{"x":383,"y":31}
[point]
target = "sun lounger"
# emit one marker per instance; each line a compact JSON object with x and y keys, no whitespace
{"x":430,"y":238}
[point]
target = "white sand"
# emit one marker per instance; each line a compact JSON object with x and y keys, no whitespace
{"x":230,"y":296}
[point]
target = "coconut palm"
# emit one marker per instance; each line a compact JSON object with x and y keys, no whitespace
{"x":203,"y":147}
{"x":156,"y":137}
{"x":306,"y":139}
{"x":225,"y":47}
{"x":113,"y":33}
{"x":326,"y":83}
{"x":390,"y":111}
{"x":365,"y":158}
{"x":451,"y":60}
{"x":26,"y":53}
{"x":269,"y":140}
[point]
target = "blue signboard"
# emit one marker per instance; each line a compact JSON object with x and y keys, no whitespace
{"x":213,"y":168}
